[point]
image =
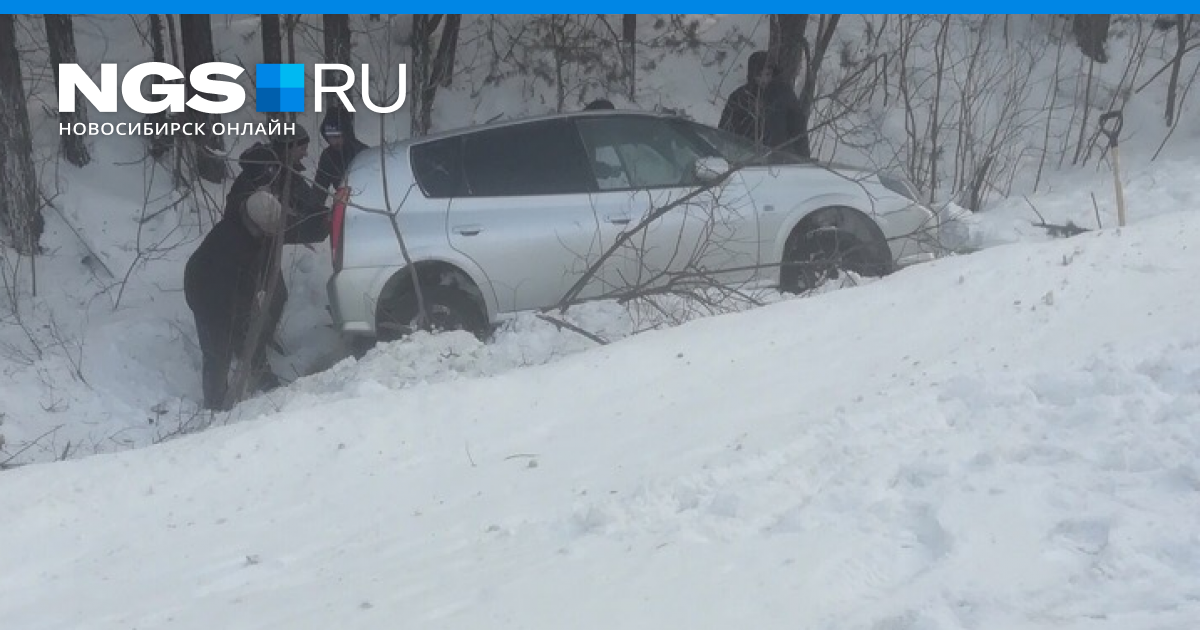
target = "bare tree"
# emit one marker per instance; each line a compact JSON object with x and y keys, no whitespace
{"x":1091,"y":33}
{"x":429,"y":70}
{"x":157,"y":47}
{"x":20,"y":213}
{"x":272,"y":39}
{"x":336,"y":30}
{"x":786,"y":44}
{"x":788,"y":48}
{"x":198,"y":49}
{"x":60,"y":37}
{"x":172,"y":37}
{"x":261,"y":316}
{"x":1183,"y":27}
{"x":629,"y":36}
{"x":826,"y":25}
{"x":272,"y":46}
{"x":583,"y":56}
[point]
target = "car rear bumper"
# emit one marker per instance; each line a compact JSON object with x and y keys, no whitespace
{"x":353,"y":295}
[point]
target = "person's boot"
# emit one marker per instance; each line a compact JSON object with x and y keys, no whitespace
{"x":266,"y":380}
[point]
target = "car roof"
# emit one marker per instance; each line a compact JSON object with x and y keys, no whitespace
{"x":597,"y":113}
{"x":400,"y":145}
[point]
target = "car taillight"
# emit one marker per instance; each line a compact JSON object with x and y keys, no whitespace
{"x":336,"y":223}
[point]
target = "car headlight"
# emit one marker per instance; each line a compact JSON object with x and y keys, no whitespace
{"x":900,"y":186}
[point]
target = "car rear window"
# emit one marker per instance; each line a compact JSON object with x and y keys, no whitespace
{"x":540,"y":158}
{"x":437,"y":166}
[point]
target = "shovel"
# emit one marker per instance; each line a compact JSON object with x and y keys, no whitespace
{"x":1113,"y":131}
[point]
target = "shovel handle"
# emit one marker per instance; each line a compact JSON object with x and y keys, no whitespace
{"x":1113,"y":130}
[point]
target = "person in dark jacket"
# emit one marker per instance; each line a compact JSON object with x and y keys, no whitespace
{"x":338,"y":130}
{"x":271,"y":156}
{"x":226,"y":280}
{"x":766,"y":110}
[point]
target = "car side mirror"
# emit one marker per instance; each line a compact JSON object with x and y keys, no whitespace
{"x":708,"y":169}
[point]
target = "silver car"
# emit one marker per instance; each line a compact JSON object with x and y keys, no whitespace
{"x":510,"y":217}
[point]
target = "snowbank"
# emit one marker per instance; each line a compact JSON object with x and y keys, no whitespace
{"x":1002,"y":440}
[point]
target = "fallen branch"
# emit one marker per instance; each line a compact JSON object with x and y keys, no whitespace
{"x":6,"y":463}
{"x":1061,"y":231}
{"x":560,"y":324}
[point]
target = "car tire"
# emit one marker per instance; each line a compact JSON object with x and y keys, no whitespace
{"x":448,"y":309}
{"x":358,"y":346}
{"x":822,"y":253}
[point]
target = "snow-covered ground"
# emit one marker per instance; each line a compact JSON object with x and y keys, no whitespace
{"x":104,"y":357}
{"x":1004,"y":440}
{"x":1000,"y":440}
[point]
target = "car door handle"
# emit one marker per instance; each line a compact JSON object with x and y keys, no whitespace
{"x":468,"y":230}
{"x":617,"y":219}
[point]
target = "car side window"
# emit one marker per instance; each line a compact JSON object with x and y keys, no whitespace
{"x":437,"y":166}
{"x":732,"y":147}
{"x":739,"y":150}
{"x":540,"y":158}
{"x":634,"y":152}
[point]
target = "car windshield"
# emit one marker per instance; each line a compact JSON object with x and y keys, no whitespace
{"x":739,"y":150}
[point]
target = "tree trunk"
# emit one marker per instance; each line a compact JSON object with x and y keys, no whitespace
{"x":808,"y":92}
{"x":272,"y":39}
{"x":1091,"y":33}
{"x":1182,"y":26}
{"x":629,"y":35}
{"x":261,"y":320}
{"x":786,"y":44}
{"x":788,"y":48}
{"x":60,"y":36}
{"x":157,"y":48}
{"x":19,"y":212}
{"x":198,"y":49}
{"x":423,"y":27}
{"x":337,"y":49}
{"x":272,"y":47}
{"x":429,"y":70}
{"x":174,"y":39}
{"x":289,"y":24}
{"x":443,"y":62}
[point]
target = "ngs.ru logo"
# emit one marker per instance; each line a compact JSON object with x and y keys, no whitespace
{"x":279,"y":87}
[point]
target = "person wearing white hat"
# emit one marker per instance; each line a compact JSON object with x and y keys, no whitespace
{"x":264,"y":212}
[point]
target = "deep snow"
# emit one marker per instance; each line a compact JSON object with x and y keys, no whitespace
{"x":1002,"y":440}
{"x":107,"y":358}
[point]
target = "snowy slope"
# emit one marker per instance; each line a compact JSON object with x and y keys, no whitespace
{"x":1005,"y":440}
{"x":999,"y":441}
{"x":104,"y":357}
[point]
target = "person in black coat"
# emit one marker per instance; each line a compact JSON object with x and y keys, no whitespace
{"x":765,"y":110}
{"x":226,"y":278}
{"x":337,"y":127}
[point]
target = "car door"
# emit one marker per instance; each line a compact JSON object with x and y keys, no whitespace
{"x":525,"y":217}
{"x":760,"y":176}
{"x":644,"y":164}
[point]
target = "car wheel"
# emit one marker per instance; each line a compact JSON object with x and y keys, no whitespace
{"x":446,"y":308}
{"x":820,"y":254}
{"x":358,"y":346}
